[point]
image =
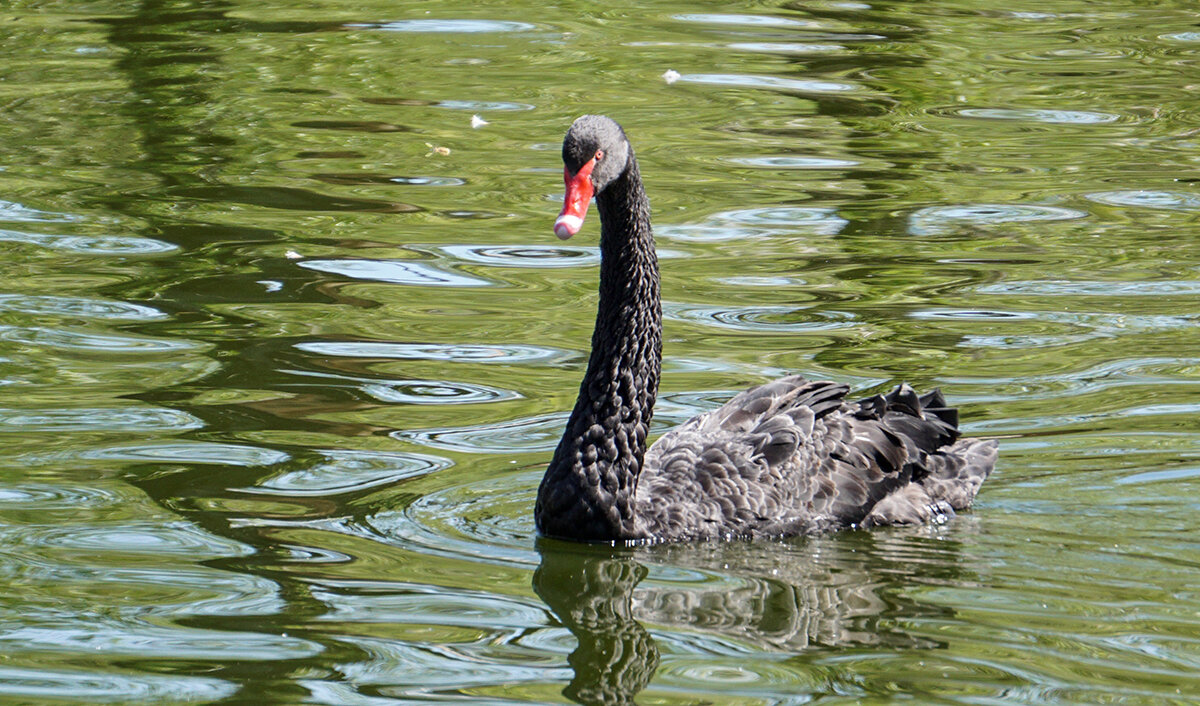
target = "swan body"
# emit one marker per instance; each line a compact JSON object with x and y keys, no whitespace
{"x":790,"y":457}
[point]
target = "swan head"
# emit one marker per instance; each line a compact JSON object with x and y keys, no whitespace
{"x":595,"y":153}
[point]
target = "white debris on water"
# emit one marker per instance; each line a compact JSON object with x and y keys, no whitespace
{"x":671,"y":76}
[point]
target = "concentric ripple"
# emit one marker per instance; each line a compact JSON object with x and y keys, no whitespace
{"x":745,"y":20}
{"x":90,"y":245}
{"x":739,"y":224}
{"x":463,"y":353}
{"x":449,"y":26}
{"x":422,"y":392}
{"x":777,"y":83}
{"x":78,"y":307}
{"x":1071,"y":117}
{"x":1164,"y":200}
{"x":97,"y":418}
{"x":397,"y":272}
{"x":96,"y":342}
{"x":539,"y":433}
{"x":941,"y":219}
{"x":55,"y":685}
{"x":796,"y":162}
{"x":525,"y":255}
{"x":150,"y":538}
{"x":345,"y":471}
{"x":486,"y":520}
{"x":15,"y":212}
{"x":45,"y":496}
{"x":778,"y":319}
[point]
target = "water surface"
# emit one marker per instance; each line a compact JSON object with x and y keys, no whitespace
{"x":286,"y":340}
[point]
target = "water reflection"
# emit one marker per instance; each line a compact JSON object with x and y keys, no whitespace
{"x":590,"y":590}
{"x":752,"y":603}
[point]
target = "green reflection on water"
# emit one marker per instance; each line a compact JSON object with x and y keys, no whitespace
{"x":285,"y":340}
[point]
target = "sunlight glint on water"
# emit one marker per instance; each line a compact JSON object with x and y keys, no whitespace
{"x":286,"y":341}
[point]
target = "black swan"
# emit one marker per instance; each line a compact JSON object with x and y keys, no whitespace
{"x":786,"y":458}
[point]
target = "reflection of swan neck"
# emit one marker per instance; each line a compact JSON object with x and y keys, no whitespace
{"x":592,"y":596}
{"x":588,"y":490}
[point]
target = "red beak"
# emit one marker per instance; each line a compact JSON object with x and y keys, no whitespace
{"x":575,"y":205}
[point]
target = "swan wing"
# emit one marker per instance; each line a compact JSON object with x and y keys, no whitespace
{"x":794,"y":456}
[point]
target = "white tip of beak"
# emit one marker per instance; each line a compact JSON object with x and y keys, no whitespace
{"x":567,"y":225}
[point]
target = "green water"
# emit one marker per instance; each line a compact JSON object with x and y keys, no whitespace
{"x":285,"y":343}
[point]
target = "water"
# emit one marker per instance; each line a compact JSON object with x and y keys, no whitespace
{"x":285,"y":344}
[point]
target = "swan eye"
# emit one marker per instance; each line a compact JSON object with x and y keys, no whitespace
{"x":599,"y":155}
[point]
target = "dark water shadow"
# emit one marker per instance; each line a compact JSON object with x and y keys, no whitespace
{"x":806,"y":596}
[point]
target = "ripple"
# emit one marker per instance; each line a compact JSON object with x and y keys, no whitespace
{"x":539,"y":433}
{"x":939,"y":219}
{"x":20,"y":213}
{"x":78,"y":307}
{"x":1182,"y":36}
{"x":487,"y":520}
{"x":155,"y":538}
{"x":94,"y":636}
{"x":438,"y":392}
{"x":756,"y":223}
{"x":396,"y":272}
{"x":1073,"y":117}
{"x":433,"y":392}
{"x":90,"y":245}
{"x":478,"y":106}
{"x":796,"y":162}
{"x":346,"y":471}
{"x":761,"y":281}
{"x":427,"y":181}
{"x":974,"y":314}
{"x":761,"y":318}
{"x":1173,"y":474}
{"x":190,"y":452}
{"x":448,"y":26}
{"x":707,"y":233}
{"x":79,"y":340}
{"x":744,"y":20}
{"x":1165,"y":200}
{"x":427,"y":605}
{"x":729,"y":674}
{"x":97,"y":419}
{"x":1086,"y":326}
{"x":786,"y":47}
{"x":388,"y":664}
{"x":1055,"y":288}
{"x":539,"y":256}
{"x":772,"y":82}
{"x":92,"y":687}
{"x":465,"y":352}
{"x":40,"y":496}
{"x":823,"y":220}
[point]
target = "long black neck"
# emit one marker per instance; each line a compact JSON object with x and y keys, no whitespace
{"x":588,"y":490}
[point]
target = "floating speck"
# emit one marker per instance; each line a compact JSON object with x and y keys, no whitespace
{"x":436,"y":149}
{"x":476,"y":123}
{"x":271,"y":285}
{"x":671,"y":76}
{"x":292,"y":255}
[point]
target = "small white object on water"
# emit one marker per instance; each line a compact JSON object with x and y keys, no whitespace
{"x":292,"y":255}
{"x":671,"y":76}
{"x":477,"y":122}
{"x":272,"y":285}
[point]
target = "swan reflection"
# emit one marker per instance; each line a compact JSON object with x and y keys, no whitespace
{"x":809,"y":595}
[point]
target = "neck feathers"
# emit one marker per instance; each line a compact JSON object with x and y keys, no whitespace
{"x":588,"y":490}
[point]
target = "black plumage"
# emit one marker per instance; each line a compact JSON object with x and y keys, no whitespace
{"x":786,"y":458}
